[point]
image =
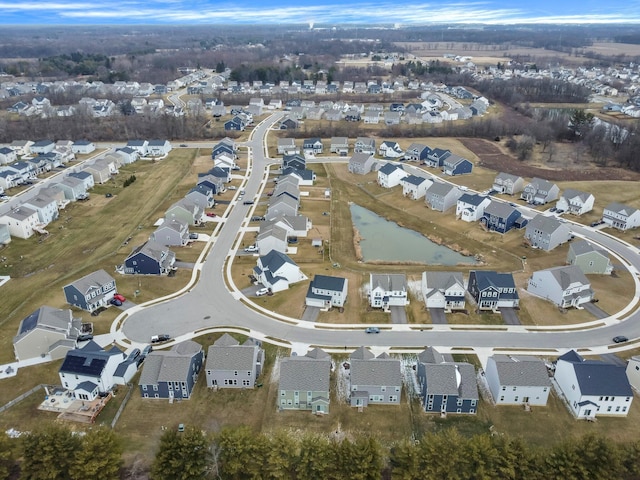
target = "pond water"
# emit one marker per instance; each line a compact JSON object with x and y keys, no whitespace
{"x":383,"y":240}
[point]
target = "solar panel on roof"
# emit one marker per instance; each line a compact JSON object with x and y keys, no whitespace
{"x":29,"y":323}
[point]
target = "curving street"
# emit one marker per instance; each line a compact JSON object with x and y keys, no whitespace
{"x":208,"y":303}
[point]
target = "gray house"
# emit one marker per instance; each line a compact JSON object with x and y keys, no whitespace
{"x":47,"y":331}
{"x":540,"y":191}
{"x":231,"y":365}
{"x":365,"y":145}
{"x":590,"y":258}
{"x":361,"y":163}
{"x":185,"y":211}
{"x":172,"y":233}
{"x":442,"y":196}
{"x":565,"y":286}
{"x":518,"y":380}
{"x":507,"y":183}
{"x":374,"y":380}
{"x":304,"y":382}
{"x":546,"y":233}
{"x":91,"y":291}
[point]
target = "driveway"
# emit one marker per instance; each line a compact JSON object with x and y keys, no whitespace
{"x":398,"y":315}
{"x":438,"y":317}
{"x":188,"y":265}
{"x":509,"y":316}
{"x":311,"y":314}
{"x":594,"y":310}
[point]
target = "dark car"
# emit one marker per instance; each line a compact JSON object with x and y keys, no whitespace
{"x":160,"y":338}
{"x":248,"y":202}
{"x":83,"y":337}
{"x":372,"y":330}
{"x":620,"y":339}
{"x":108,"y":195}
{"x":97,"y":311}
{"x":115,"y":302}
{"x":135,"y":353}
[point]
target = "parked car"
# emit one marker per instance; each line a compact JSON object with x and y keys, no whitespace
{"x":372,"y":330}
{"x":147,"y":350}
{"x":620,"y":339}
{"x":183,"y":145}
{"x":135,"y":353}
{"x":210,"y":214}
{"x":236,"y":168}
{"x":117,"y":296}
{"x":257,"y":218}
{"x":83,"y":337}
{"x":108,"y":195}
{"x":160,"y":338}
{"x":232,"y":187}
{"x":115,"y":302}
{"x":248,"y":202}
{"x":193,"y":236}
{"x":251,"y":249}
{"x":262,"y":292}
{"x":98,"y":311}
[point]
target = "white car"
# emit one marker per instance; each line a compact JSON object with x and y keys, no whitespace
{"x":262,"y":291}
{"x":251,"y":249}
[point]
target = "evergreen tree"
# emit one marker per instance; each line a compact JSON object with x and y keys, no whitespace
{"x":7,"y":455}
{"x":99,"y":456}
{"x":182,"y":456}
{"x":49,"y":453}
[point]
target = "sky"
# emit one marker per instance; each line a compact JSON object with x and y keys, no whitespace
{"x":318,"y":12}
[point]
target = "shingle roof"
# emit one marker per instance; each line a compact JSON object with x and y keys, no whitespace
{"x":376,"y":371}
{"x":361,"y":353}
{"x":580,"y":247}
{"x":326,"y":282}
{"x":472,"y":199}
{"x":304,"y":374}
{"x":440,"y":189}
{"x":567,"y":274}
{"x":600,"y":378}
{"x":525,"y":371}
{"x":451,"y":379}
{"x":621,"y":208}
{"x":273,"y":260}
{"x":233,"y":357}
{"x":570,"y":193}
{"x":430,"y":355}
{"x":226,"y":340}
{"x":95,"y":279}
{"x":499,"y":209}
{"x":169,"y":366}
{"x":389,"y":281}
{"x":414,"y":180}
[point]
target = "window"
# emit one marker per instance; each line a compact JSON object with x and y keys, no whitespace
{"x":609,"y":408}
{"x":515,"y":388}
{"x":155,"y":388}
{"x":617,"y":408}
{"x":502,"y":398}
{"x":156,"y":396}
{"x":504,"y":388}
{"x":473,"y":403}
{"x":627,"y":399}
{"x":235,"y":373}
{"x":383,"y":389}
{"x":248,"y":373}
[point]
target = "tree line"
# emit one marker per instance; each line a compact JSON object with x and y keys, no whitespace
{"x":56,"y":453}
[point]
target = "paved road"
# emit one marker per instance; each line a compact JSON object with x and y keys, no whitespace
{"x":209,"y":303}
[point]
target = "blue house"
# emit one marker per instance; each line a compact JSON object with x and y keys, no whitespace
{"x":91,"y":291}
{"x":173,"y":373}
{"x":435,"y":158}
{"x":236,"y":123}
{"x":456,"y":165}
{"x":501,"y":217}
{"x":492,"y":290}
{"x":294,"y":161}
{"x":417,"y":152}
{"x":150,"y":258}
{"x":223,"y":148}
{"x":446,"y":387}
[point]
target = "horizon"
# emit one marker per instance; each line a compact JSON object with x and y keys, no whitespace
{"x":324,"y":13}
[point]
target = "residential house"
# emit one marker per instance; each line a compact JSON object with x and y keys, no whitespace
{"x":508,"y":183}
{"x":288,"y":123}
{"x":127,"y":155}
{"x":271,"y":237}
{"x":305,"y":177}
{"x":443,"y":290}
{"x":140,"y":146}
{"x":91,"y":292}
{"x":294,"y":161}
{"x":312,"y":146}
{"x":42,"y":146}
{"x":365,"y":145}
{"x":501,"y":217}
{"x":374,"y":380}
{"x":518,"y":380}
{"x":5,"y":236}
{"x":390,"y":175}
{"x":186,"y":211}
{"x":361,"y":163}
{"x":284,"y":204}
{"x":7,"y":155}
{"x":304,"y":382}
{"x":492,"y":290}
{"x":417,"y":152}
{"x":295,"y":225}
{"x":83,"y":147}
{"x":325,"y":292}
{"x":46,"y":208}
{"x":414,"y":186}
{"x":436,"y":157}
{"x":575,"y":202}
{"x":201,"y":195}
{"x":446,"y":387}
{"x":89,"y":371}
{"x":85,"y":177}
{"x":470,"y":207}
{"x":214,"y":183}
{"x":622,"y":217}
{"x":158,"y":148}
{"x":9,"y":179}
{"x":21,"y":147}
{"x":389,"y":149}
{"x":633,"y":372}
{"x":593,"y":388}
{"x":339,"y":145}
{"x":99,"y":170}
{"x":22,"y":221}
{"x":566,"y":286}
{"x":171,"y":374}
{"x":237,"y":123}
{"x":540,"y":192}
{"x":150,"y":258}
{"x":442,"y":196}
{"x":171,"y":233}
{"x":73,"y":188}
{"x":287,"y":146}
{"x":589,"y":257}
{"x":46,"y":332}
{"x":456,"y":165}
{"x":231,"y":365}
{"x":388,"y":290}
{"x":277,"y":271}
{"x":546,"y":233}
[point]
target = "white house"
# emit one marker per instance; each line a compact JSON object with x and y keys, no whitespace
{"x":390,"y":175}
{"x":546,"y":232}
{"x":593,"y":388}
{"x":388,"y":290}
{"x":443,"y":290}
{"x":158,"y":148}
{"x":518,"y":380}
{"x":272,"y":237}
{"x":633,"y":372}
{"x":622,"y":217}
{"x":565,"y":286}
{"x":325,"y":292}
{"x":83,"y":147}
{"x":415,"y":187}
{"x":277,"y":271}
{"x":540,"y":191}
{"x":22,"y":221}
{"x":46,"y":207}
{"x":507,"y":183}
{"x":575,"y":202}
{"x":389,"y":149}
{"x":470,"y":207}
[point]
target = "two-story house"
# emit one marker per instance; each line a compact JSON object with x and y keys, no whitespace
{"x":361,"y":163}
{"x":470,"y":207}
{"x":492,"y":290}
{"x":443,"y":290}
{"x":231,"y":365}
{"x":589,"y":257}
{"x":508,"y":183}
{"x":501,"y":217}
{"x":518,"y":380}
{"x":388,"y":290}
{"x":277,"y":271}
{"x":374,"y":380}
{"x":150,"y":258}
{"x":546,"y":233}
{"x":312,"y":146}
{"x":326,"y":291}
{"x":417,"y":152}
{"x":566,"y":286}
{"x":456,"y":165}
{"x":575,"y":202}
{"x":540,"y":191}
{"x":46,"y":331}
{"x":365,"y":145}
{"x":171,"y":233}
{"x":414,"y":186}
{"x":91,"y":292}
{"x":622,"y":217}
{"x":304,"y":382}
{"x":390,"y":175}
{"x":442,"y":196}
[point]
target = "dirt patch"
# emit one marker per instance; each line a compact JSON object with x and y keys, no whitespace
{"x":492,"y":157}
